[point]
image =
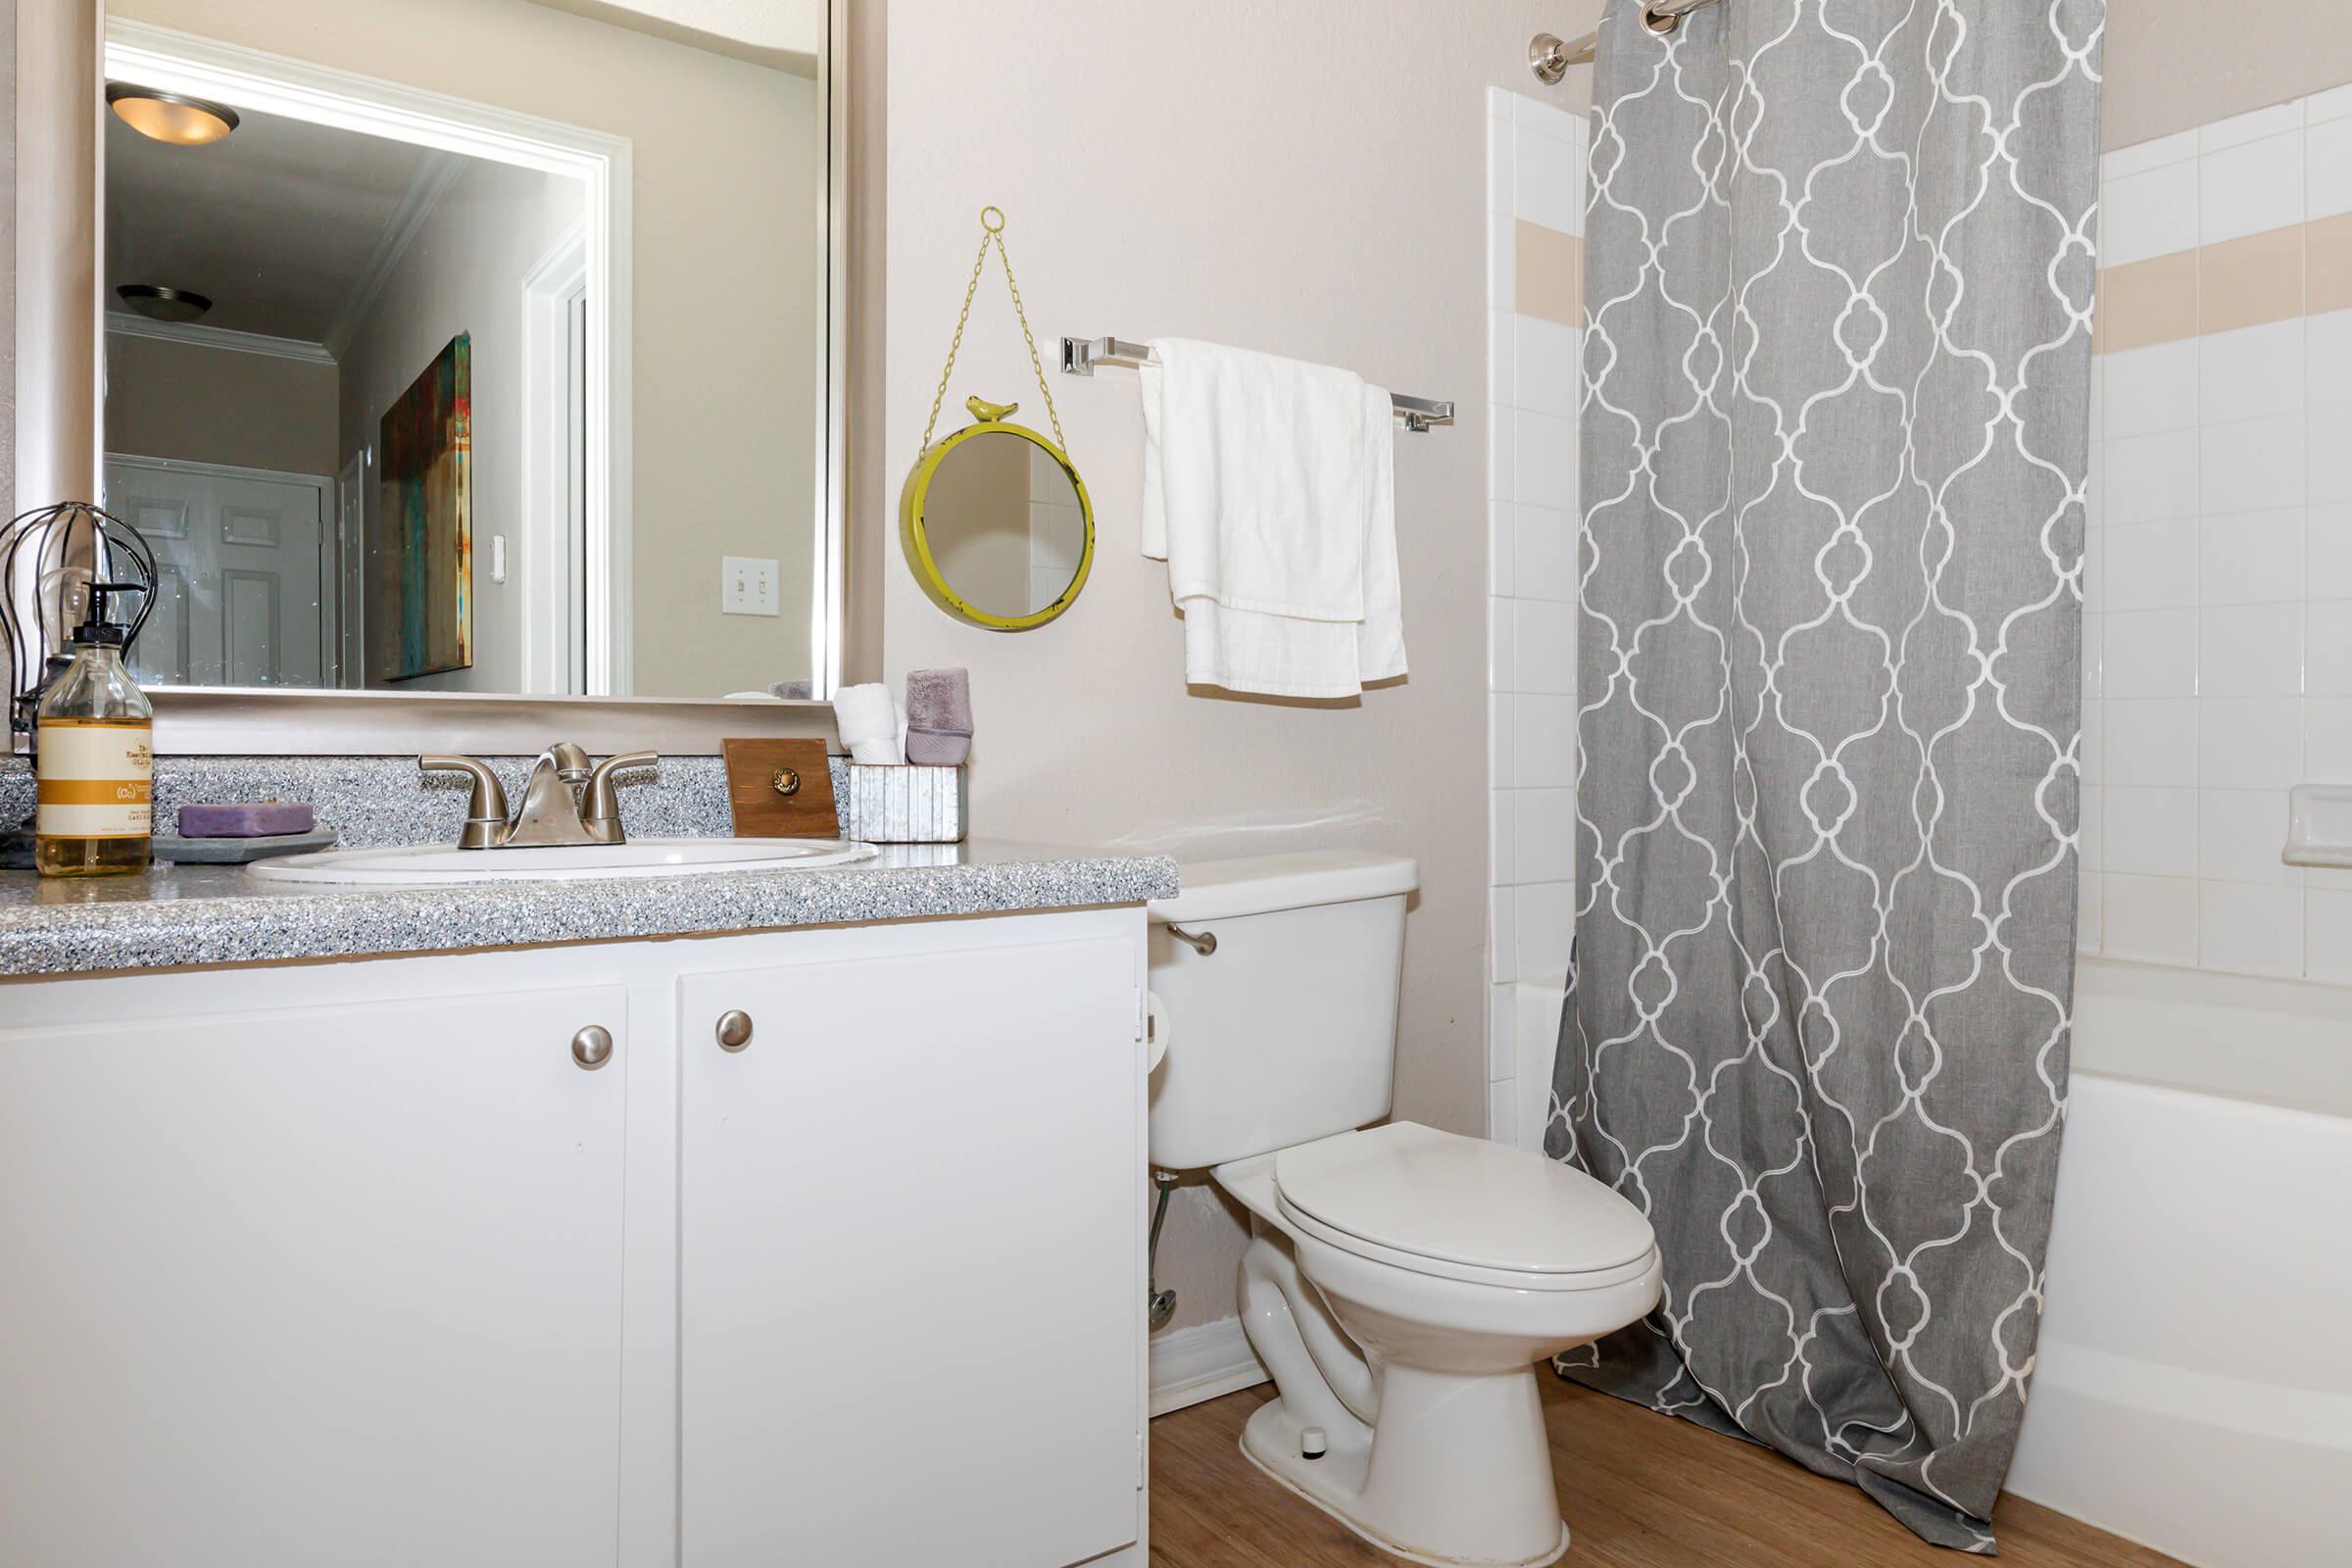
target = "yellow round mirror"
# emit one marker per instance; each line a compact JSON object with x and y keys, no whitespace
{"x":996,"y":525}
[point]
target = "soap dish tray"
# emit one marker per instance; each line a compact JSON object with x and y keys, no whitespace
{"x":240,"y":850}
{"x":2319,"y":825}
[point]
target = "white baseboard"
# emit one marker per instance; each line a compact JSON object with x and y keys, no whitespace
{"x":1201,"y":1362}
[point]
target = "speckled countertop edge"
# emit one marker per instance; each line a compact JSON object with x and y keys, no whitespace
{"x":220,"y":918}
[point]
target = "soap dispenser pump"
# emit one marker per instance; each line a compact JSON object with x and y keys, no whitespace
{"x":94,"y":755}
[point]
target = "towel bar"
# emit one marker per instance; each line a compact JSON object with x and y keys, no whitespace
{"x":1080,"y":356}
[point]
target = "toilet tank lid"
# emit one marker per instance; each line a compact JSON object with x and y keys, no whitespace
{"x":1258,"y":884}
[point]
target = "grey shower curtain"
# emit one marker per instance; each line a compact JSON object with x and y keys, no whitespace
{"x":1838,"y":281}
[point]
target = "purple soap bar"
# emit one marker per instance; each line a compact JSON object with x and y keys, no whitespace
{"x":251,"y":820}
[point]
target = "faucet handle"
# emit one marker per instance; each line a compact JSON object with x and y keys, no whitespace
{"x":600,"y":810}
{"x":485,"y":808}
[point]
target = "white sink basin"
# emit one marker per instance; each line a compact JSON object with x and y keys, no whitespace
{"x":423,"y":865}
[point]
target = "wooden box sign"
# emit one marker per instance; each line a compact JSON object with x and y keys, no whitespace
{"x":780,"y":789}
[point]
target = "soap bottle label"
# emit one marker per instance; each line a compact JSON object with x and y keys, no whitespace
{"x":97,"y":779}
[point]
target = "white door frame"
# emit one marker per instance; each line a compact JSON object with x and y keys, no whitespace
{"x":558,"y":616}
{"x":322,"y":95}
{"x":331,"y":540}
{"x":350,"y":541}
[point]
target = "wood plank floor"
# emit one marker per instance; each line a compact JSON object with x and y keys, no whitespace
{"x":1639,"y":1490}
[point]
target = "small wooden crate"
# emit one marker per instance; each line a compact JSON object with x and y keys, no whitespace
{"x":906,"y":805}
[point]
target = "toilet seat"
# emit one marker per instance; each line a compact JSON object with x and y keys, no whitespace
{"x":1462,"y":1208}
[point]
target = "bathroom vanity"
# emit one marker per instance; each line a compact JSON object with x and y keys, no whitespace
{"x":585,"y":1243}
{"x":770,"y":1218}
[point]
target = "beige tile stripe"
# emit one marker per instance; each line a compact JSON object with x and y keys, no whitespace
{"x":1548,"y":274}
{"x":2272,"y":276}
{"x":2277,"y":276}
{"x":2328,"y":265}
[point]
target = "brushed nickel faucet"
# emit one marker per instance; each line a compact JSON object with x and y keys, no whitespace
{"x":566,"y":801}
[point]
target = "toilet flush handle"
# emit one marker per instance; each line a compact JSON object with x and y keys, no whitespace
{"x":1205,"y":944}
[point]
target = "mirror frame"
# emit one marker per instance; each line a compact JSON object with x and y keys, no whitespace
{"x":61,"y":104}
{"x":917,"y":537}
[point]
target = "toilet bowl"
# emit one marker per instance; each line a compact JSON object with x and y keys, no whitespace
{"x":1432,"y":1431}
{"x":1401,"y":1283}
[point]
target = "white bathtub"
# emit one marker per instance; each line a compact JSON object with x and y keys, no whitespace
{"x":2193,"y":1385}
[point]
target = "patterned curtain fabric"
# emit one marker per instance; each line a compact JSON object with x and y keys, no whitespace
{"x":1839,"y":272}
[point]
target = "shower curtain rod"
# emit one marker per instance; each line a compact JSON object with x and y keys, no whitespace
{"x":1550,"y":59}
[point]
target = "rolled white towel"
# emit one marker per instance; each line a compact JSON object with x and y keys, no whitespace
{"x":870,"y":726}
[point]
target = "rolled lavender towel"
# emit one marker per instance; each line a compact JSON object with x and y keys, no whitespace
{"x":939,"y":717}
{"x":867,"y":717}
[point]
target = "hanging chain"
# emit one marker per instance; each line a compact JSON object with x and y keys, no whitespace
{"x":991,"y":235}
{"x":1035,"y":368}
{"x":969,"y":289}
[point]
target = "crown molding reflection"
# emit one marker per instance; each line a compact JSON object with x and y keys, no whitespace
{"x":197,"y":335}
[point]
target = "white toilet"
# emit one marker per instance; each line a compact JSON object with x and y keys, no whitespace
{"x":1400,"y":1283}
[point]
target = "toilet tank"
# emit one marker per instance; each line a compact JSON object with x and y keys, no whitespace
{"x":1288,"y":1031}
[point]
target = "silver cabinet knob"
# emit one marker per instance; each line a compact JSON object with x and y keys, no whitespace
{"x":592,"y":1047}
{"x":734,"y":1029}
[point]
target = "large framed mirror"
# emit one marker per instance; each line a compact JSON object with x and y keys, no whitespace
{"x":485,"y":347}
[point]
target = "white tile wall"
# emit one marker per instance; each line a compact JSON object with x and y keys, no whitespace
{"x":2151,"y":917}
{"x":2148,"y":213}
{"x":2153,"y":567}
{"x":2249,"y":464}
{"x":2328,"y":935}
{"x":1534,"y":172}
{"x":2152,"y":390}
{"x":2250,"y":928}
{"x":2217,"y":640}
{"x":2248,"y":557}
{"x":2151,"y":832}
{"x":2217,"y":634}
{"x":2150,"y":479}
{"x":2246,"y":375}
{"x":2147,"y":155}
{"x":2246,"y":187}
{"x":2328,"y":169}
{"x":2239,"y":130}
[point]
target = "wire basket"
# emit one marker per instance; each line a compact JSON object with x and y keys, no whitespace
{"x":49,"y":558}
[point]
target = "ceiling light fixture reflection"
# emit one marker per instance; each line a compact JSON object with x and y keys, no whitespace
{"x":160,"y":304}
{"x":169,"y":116}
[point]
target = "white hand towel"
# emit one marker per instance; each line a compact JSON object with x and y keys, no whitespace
{"x":1269,"y":490}
{"x":870,"y":723}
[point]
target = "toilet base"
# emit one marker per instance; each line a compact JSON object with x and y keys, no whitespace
{"x":1335,"y":1484}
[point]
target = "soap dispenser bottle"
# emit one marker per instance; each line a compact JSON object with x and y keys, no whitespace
{"x":94,"y":731}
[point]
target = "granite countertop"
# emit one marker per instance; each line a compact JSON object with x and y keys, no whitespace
{"x":178,"y":915}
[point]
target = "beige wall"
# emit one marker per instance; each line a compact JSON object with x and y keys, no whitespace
{"x":1306,"y":179}
{"x":7,"y":255}
{"x":463,"y":273}
{"x":2175,"y":64}
{"x":196,"y":404}
{"x":730,"y":159}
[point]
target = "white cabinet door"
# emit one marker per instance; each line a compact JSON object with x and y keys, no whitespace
{"x":910,"y":1316}
{"x":333,"y":1286}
